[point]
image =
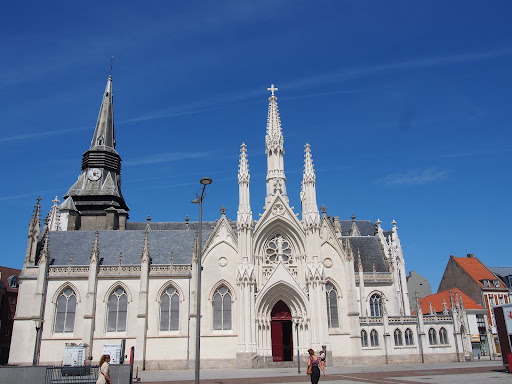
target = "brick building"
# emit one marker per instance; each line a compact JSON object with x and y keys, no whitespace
{"x":8,"y":300}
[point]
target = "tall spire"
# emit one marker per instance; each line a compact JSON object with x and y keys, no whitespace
{"x":104,"y":132}
{"x":244,"y":214}
{"x":243,"y":167}
{"x":98,"y":187}
{"x":310,"y":215}
{"x":54,"y":218}
{"x":276,"y":179}
{"x":34,"y":228}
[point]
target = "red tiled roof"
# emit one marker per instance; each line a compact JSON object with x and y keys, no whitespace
{"x":5,"y":273}
{"x":477,"y":270}
{"x":437,"y":301}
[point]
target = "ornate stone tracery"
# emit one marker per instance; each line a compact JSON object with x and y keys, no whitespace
{"x":279,"y":250}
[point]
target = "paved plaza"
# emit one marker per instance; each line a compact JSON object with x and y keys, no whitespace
{"x":489,"y":372}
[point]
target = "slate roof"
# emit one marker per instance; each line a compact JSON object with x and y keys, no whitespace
{"x":371,"y":252}
{"x":366,"y":227}
{"x":501,"y":271}
{"x":176,"y":238}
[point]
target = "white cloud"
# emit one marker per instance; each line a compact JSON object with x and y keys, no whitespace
{"x":415,"y":177}
{"x":168,"y":157}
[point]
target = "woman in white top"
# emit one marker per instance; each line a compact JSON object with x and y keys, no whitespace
{"x":103,"y":377}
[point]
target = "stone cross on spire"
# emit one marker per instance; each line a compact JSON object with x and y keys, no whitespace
{"x":272,"y":89}
{"x":324,"y":209}
{"x":223,"y":210}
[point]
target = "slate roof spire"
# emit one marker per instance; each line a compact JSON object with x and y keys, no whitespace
{"x":104,"y":132}
{"x":99,"y":186}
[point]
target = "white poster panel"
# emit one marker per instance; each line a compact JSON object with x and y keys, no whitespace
{"x":114,"y":351}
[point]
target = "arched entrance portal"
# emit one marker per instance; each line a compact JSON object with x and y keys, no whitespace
{"x":281,"y":332}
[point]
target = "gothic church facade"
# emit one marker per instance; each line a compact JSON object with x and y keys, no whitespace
{"x":270,"y":287}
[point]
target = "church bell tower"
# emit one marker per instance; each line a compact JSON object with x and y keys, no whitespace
{"x":95,"y":200}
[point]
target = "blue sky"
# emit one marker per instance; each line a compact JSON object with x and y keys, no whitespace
{"x":406,"y":105}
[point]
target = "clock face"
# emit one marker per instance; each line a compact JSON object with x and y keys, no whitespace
{"x":94,"y":174}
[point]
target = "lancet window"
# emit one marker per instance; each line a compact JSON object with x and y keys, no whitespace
{"x":170,"y":310}
{"x":398,"y":338}
{"x":376,"y":305}
{"x":374,"y":338}
{"x":443,"y":336}
{"x":409,"y":337}
{"x":117,"y":310}
{"x":364,"y":338}
{"x":332,"y":305}
{"x":222,"y":309}
{"x":432,"y":336}
{"x":65,"y":316}
{"x":278,"y":250}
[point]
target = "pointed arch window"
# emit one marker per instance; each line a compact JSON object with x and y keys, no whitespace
{"x":398,"y":338}
{"x":117,"y":310}
{"x":222,"y":309}
{"x":375,"y":305}
{"x":101,"y":140}
{"x":332,"y":305}
{"x":443,"y":336}
{"x":409,"y":337}
{"x":432,"y":336}
{"x":170,"y":310}
{"x":364,"y":338}
{"x":374,"y":338}
{"x":66,"y":308}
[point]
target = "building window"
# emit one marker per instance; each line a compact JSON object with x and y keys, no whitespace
{"x":487,"y":283}
{"x":432,"y":336}
{"x":374,"y":338}
{"x":170,"y":310}
{"x":398,"y":338}
{"x":332,"y":306}
{"x":278,"y":250}
{"x":376,"y":305}
{"x":443,"y":336}
{"x":13,"y":281}
{"x":222,"y":309}
{"x":496,"y":283}
{"x":65,"y":316}
{"x":364,"y":339}
{"x":409,"y":337}
{"x":117,"y":309}
{"x":501,"y":300}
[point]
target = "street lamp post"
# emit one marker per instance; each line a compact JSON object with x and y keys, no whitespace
{"x":204,"y":181}
{"x":298,"y":347}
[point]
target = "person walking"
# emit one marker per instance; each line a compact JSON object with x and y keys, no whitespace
{"x":103,"y":376}
{"x":314,"y":366}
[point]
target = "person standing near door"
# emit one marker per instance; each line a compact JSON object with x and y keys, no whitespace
{"x":314,"y":366}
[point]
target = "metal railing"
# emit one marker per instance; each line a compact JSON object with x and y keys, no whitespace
{"x":72,"y":375}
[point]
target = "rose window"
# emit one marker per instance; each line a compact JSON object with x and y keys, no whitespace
{"x":278,"y":250}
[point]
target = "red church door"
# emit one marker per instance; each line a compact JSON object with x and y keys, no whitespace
{"x":281,"y":332}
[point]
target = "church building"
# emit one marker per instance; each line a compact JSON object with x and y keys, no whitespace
{"x":270,"y":288}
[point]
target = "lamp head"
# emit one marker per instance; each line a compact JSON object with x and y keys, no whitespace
{"x":195,"y":201}
{"x":206,"y":181}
